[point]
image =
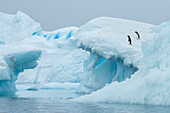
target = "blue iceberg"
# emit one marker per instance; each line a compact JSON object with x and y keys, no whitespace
{"x":13,"y":64}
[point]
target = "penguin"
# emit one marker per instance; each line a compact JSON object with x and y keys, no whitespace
{"x":129,"y":40}
{"x":138,"y":36}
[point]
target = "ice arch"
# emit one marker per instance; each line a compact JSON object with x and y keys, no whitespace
{"x":12,"y":64}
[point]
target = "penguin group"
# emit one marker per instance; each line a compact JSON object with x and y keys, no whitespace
{"x":130,"y":40}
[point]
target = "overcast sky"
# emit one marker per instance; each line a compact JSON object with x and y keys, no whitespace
{"x":54,"y":14}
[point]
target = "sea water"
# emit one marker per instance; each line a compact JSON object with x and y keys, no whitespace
{"x":59,"y":101}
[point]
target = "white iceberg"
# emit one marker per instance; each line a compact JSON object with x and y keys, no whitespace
{"x":112,"y":58}
{"x":150,"y":84}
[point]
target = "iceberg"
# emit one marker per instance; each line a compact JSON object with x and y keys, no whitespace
{"x":14,"y":63}
{"x":112,"y":58}
{"x":57,"y":63}
{"x":16,"y":27}
{"x":150,"y":83}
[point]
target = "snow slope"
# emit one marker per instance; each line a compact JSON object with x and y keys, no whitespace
{"x":150,"y":84}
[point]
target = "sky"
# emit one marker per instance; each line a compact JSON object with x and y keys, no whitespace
{"x":55,"y":14}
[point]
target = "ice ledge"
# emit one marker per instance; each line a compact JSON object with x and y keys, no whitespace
{"x":107,"y":37}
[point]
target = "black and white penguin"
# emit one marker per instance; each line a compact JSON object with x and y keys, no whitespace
{"x":138,"y":36}
{"x":129,"y":40}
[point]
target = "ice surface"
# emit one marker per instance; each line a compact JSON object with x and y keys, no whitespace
{"x":150,"y":84}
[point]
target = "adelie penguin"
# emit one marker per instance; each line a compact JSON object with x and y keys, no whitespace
{"x":129,"y":40}
{"x":138,"y":36}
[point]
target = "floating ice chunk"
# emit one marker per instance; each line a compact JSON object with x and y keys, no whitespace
{"x":60,"y":86}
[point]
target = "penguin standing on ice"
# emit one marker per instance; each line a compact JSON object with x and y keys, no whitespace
{"x":138,"y":36}
{"x":129,"y":40}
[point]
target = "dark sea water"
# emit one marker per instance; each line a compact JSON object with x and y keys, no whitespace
{"x":58,"y":101}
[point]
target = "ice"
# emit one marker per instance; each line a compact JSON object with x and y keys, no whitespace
{"x":65,"y":33}
{"x":1,"y":42}
{"x":107,"y":37}
{"x":69,"y":69}
{"x":59,"y":51}
{"x":103,"y":72}
{"x":112,"y":58}
{"x":57,"y":63}
{"x":150,"y":84}
{"x":12,"y":64}
{"x":60,"y":86}
{"x":16,"y":27}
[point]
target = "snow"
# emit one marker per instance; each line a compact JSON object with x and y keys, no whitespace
{"x":107,"y":37}
{"x":150,"y":84}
